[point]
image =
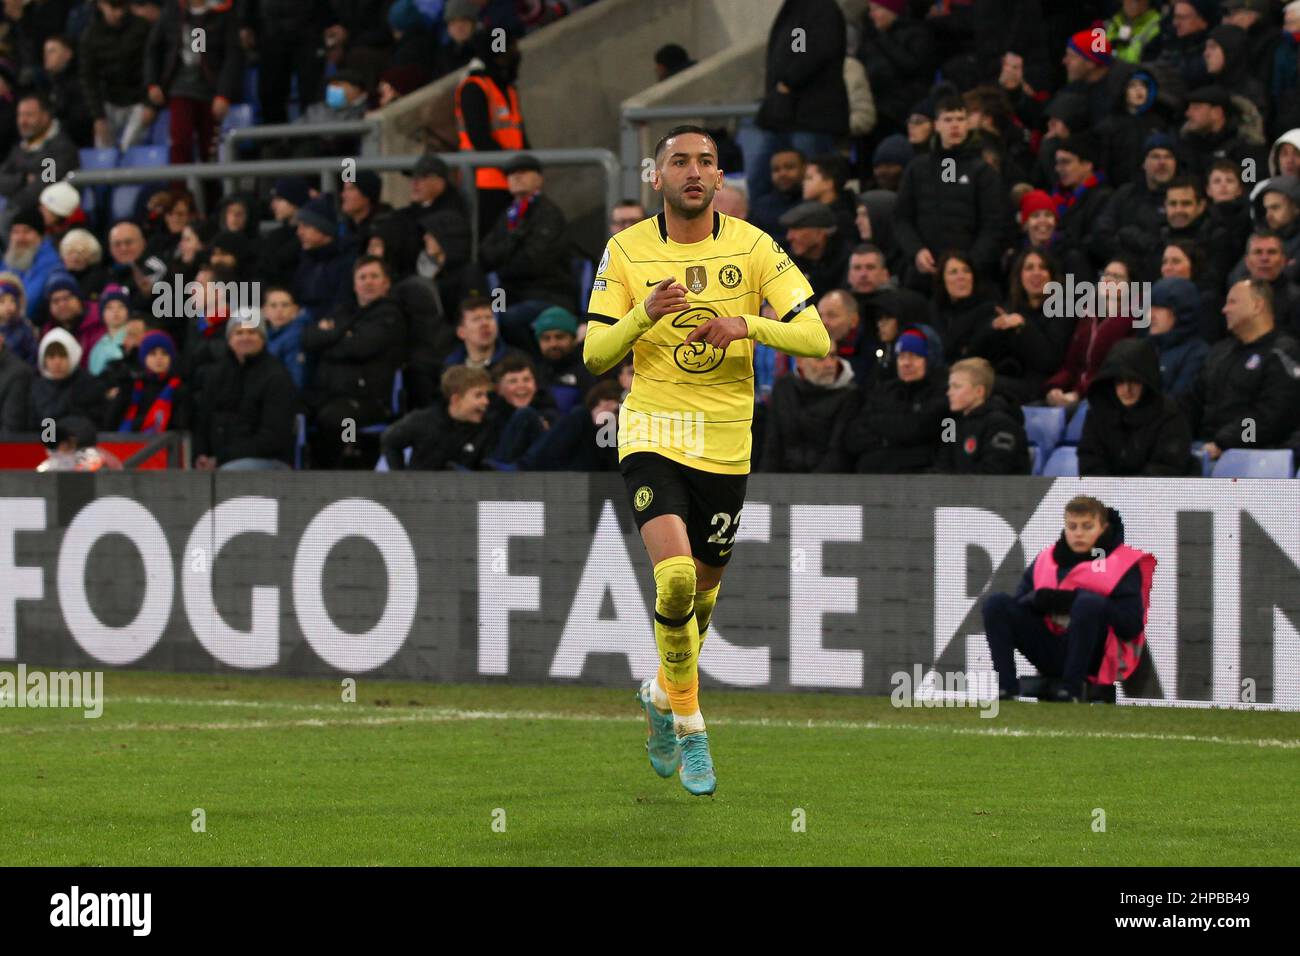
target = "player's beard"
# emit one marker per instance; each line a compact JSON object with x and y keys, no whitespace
{"x":674,"y":199}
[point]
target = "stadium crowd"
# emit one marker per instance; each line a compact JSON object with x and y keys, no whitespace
{"x":1000,"y":205}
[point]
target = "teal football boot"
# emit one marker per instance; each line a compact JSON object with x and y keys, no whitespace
{"x":697,"y":766}
{"x":661,"y":742}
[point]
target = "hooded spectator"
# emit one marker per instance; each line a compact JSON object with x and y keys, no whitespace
{"x":1133,"y":428}
{"x":1277,"y":206}
{"x":1175,"y":323}
{"x":445,"y":258}
{"x":63,"y":388}
{"x":17,"y":330}
{"x":897,"y":429}
{"x":1124,"y":135}
{"x":1227,"y":61}
{"x":457,"y":50}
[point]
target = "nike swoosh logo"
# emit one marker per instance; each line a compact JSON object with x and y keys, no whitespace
{"x":721,"y":553}
{"x":653,"y":281}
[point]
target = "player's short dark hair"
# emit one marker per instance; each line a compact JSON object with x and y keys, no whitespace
{"x":867,"y":249}
{"x":1187,"y":181}
{"x":510,"y":364}
{"x":1087,"y":505}
{"x":681,"y":131}
{"x":1265,"y":234}
{"x":372,"y":261}
{"x":606,"y":391}
{"x":834,"y":167}
{"x":471,"y":303}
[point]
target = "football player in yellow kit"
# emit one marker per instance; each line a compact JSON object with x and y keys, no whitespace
{"x":683,"y":290}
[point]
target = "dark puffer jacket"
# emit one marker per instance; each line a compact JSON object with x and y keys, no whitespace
{"x":1151,"y":437}
{"x":803,"y":420}
{"x":818,"y":100}
{"x":1259,"y":381}
{"x":897,"y":430}
{"x":1182,"y":352}
{"x":990,"y":440}
{"x":247,"y":410}
{"x":359,"y":356}
{"x":958,"y":206}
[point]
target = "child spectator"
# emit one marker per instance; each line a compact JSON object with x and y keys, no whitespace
{"x":989,"y":435}
{"x":450,"y":436}
{"x":1175,"y":322}
{"x":156,"y":401}
{"x":17,"y":329}
{"x":64,"y":388}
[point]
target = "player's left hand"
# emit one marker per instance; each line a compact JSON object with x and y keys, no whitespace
{"x":721,"y":331}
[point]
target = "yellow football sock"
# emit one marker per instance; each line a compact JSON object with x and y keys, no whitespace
{"x":676,"y":633}
{"x":704,"y":601}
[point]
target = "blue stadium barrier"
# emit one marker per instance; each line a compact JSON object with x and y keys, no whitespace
{"x":1064,"y":463}
{"x":1044,"y":427}
{"x":1074,"y":430}
{"x":1243,"y":463}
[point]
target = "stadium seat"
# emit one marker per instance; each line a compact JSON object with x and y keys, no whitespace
{"x":1074,"y":430}
{"x":1064,"y":463}
{"x":1044,"y":427}
{"x":240,"y":116}
{"x":1207,"y":464}
{"x":1036,"y":457}
{"x":299,"y":439}
{"x":99,"y":158}
{"x":122,"y":205}
{"x":1241,"y":463}
{"x":382,"y":463}
{"x":161,"y":133}
{"x":145,"y":156}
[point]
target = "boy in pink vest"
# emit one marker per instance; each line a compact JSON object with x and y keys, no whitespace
{"x":1080,"y":610}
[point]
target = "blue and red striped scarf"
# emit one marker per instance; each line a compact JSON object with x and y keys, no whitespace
{"x":518,"y":209}
{"x":1065,"y":202}
{"x":160,"y":412}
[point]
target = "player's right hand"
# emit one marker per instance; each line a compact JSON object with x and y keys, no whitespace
{"x":666,"y":298}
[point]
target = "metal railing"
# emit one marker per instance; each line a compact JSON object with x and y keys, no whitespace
{"x":368,"y":129}
{"x":329,"y":168}
{"x":633,"y":119}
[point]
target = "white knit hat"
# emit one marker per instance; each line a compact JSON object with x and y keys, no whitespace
{"x":61,"y":199}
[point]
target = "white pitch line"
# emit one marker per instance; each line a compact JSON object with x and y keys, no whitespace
{"x":447,"y":714}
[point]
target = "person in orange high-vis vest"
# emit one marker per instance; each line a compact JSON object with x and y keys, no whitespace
{"x":488,"y":118}
{"x":1080,"y":610}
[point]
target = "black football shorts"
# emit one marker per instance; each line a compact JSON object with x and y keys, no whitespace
{"x":709,"y":503}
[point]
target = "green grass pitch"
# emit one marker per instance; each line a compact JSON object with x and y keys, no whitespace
{"x":286,"y":773}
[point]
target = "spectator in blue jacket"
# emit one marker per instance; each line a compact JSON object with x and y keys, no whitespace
{"x":284,"y":325}
{"x":1175,"y":322}
{"x":586,"y":439}
{"x":31,"y":256}
{"x":16,"y":329}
